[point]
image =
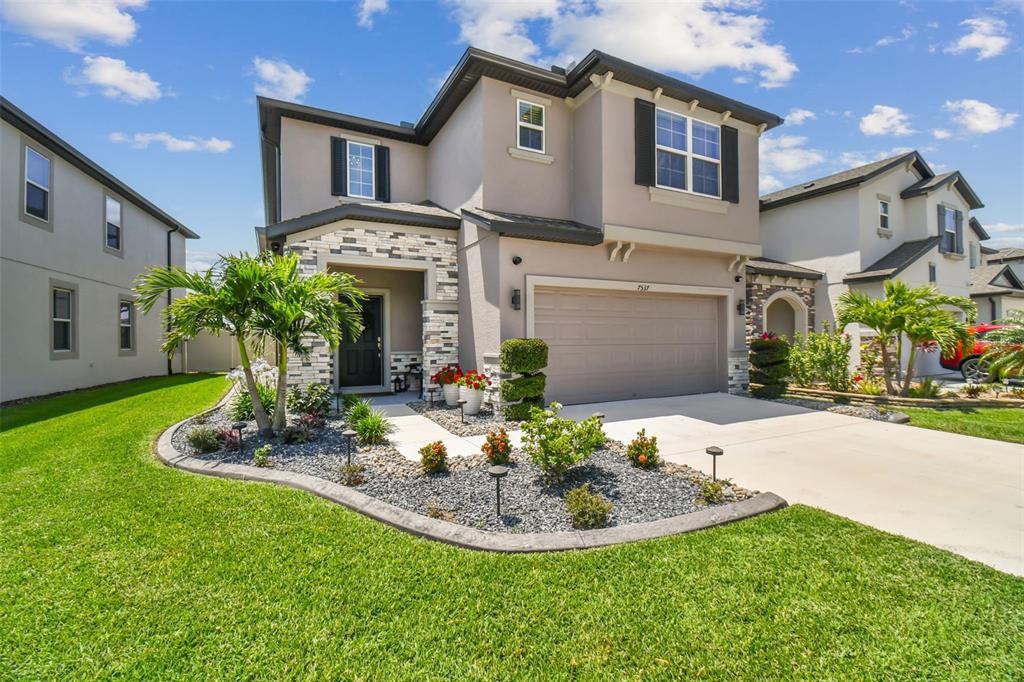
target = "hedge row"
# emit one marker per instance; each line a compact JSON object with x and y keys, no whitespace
{"x":523,"y":355}
{"x":769,"y":359}
{"x":530,"y":386}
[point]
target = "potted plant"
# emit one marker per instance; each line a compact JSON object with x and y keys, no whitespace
{"x":448,"y":379}
{"x":471,"y":389}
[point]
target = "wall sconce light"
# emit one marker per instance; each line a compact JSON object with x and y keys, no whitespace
{"x":516,"y":260}
{"x":517,"y":299}
{"x":741,"y":307}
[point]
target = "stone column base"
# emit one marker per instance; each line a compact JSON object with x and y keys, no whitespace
{"x":739,"y":372}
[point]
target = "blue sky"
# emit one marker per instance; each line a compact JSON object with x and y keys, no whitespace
{"x":163,"y":93}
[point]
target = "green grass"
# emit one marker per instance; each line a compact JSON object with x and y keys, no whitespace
{"x":112,"y":565}
{"x":999,"y":423}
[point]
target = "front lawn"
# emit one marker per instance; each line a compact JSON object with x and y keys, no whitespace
{"x":114,"y":565}
{"x":999,"y":423}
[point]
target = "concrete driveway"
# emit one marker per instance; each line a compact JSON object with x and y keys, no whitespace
{"x":961,"y":493}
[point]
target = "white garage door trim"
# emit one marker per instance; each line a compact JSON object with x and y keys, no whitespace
{"x":534,"y":281}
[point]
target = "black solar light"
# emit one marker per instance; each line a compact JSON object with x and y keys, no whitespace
{"x":337,"y":403}
{"x":715,"y":453}
{"x":348,"y":434}
{"x":462,"y":410}
{"x":497,"y":472}
{"x":430,"y":392}
{"x":238,"y":427}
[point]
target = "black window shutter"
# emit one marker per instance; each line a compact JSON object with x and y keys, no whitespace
{"x":959,"y":232}
{"x":730,"y":165}
{"x":943,"y":245}
{"x":643,"y":135}
{"x":382,"y":170}
{"x":339,"y":166}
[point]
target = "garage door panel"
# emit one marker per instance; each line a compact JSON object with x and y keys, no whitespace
{"x":616,"y":345}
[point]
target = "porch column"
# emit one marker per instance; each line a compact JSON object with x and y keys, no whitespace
{"x":440,"y":335}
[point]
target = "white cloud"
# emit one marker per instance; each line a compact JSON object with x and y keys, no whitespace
{"x":859,"y":158}
{"x":768,"y":183}
{"x":70,"y":23}
{"x":787,"y":154}
{"x":171,"y":143}
{"x":115,"y":80}
{"x":987,"y":35}
{"x":932,"y":25}
{"x":799,"y":116}
{"x":906,"y":34}
{"x":200,"y":261}
{"x":693,"y":38}
{"x":279,"y":79}
{"x":1005,"y":234}
{"x":941,"y":134}
{"x":368,"y":8}
{"x":979,"y":117}
{"x":886,"y":120}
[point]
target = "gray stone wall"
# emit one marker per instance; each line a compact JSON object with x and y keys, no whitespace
{"x":440,"y":314}
{"x":400,"y":363}
{"x":739,"y":372}
{"x":760,"y":288}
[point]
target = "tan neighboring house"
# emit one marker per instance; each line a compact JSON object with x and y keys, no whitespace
{"x":891,"y":219}
{"x":997,"y":285}
{"x":72,"y":239}
{"x":607,"y":209}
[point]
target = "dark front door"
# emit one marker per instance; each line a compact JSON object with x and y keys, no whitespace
{"x":360,"y":361}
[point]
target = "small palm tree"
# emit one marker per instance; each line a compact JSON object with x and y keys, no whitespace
{"x":1005,"y":353}
{"x":879,"y":315}
{"x":293,"y":309}
{"x":224,"y":298}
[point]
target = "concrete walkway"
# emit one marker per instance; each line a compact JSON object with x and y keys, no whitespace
{"x":957,"y":492}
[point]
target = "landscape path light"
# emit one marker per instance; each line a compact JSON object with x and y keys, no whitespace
{"x":348,"y":434}
{"x":238,"y":427}
{"x":462,"y":409}
{"x":715,"y":453}
{"x":497,"y":472}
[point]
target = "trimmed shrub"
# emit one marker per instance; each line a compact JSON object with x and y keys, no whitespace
{"x":497,"y":447}
{"x":531,"y":386}
{"x":315,"y":399}
{"x":642,"y":451}
{"x":555,"y":443}
{"x":587,"y":509}
{"x":712,"y":491}
{"x":240,"y":409}
{"x":261,"y":457}
{"x":372,"y":428}
{"x":204,"y":439}
{"x":824,"y":357}
{"x":769,"y":357}
{"x":434,"y":457}
{"x":517,"y":412}
{"x":523,"y":355}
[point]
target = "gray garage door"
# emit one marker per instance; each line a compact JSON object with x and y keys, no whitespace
{"x":617,"y":345}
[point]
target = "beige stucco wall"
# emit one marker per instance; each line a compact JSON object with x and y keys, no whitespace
{"x":453,"y":159}
{"x":72,"y":251}
{"x":306,"y":167}
{"x":405,"y":299}
{"x":480,"y":294}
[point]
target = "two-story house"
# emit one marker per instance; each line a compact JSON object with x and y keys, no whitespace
{"x":997,"y":283}
{"x":891,"y":219}
{"x":607,"y":209}
{"x":72,"y":240}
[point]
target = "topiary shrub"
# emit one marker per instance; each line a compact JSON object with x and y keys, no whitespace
{"x":517,"y":412}
{"x":523,"y":355}
{"x":531,"y":386}
{"x":587,"y":509}
{"x":769,"y":359}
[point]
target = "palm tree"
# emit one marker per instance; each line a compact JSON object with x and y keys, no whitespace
{"x":1006,"y":350}
{"x":224,"y":298}
{"x":293,"y":309}
{"x":936,"y":327}
{"x":877,"y":314}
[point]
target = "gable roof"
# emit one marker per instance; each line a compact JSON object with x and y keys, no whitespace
{"x":979,"y":229}
{"x":472,"y":66}
{"x":44,"y":136}
{"x":535,"y":227}
{"x":1003,"y":255}
{"x":894,"y":262}
{"x":927,"y":185}
{"x":984,"y":276}
{"x":422,"y":215}
{"x":770,"y":266}
{"x":850,"y":177}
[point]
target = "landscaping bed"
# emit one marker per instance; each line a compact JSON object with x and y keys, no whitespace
{"x":479,"y":424}
{"x":862,"y":411}
{"x":464,"y":493}
{"x":903,"y":401}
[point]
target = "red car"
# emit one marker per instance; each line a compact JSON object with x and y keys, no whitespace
{"x":968,"y":361}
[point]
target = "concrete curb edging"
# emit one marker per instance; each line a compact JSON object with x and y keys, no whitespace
{"x":463,"y":536}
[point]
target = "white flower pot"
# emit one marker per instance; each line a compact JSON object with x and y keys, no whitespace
{"x":473,"y":399}
{"x":451,"y":394}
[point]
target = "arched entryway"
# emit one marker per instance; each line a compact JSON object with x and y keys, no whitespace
{"x":785,"y":314}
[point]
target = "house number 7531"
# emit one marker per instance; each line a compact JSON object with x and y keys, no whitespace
{"x":643,"y":287}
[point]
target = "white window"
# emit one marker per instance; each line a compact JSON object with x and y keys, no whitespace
{"x":883,"y":214}
{"x":688,"y":154}
{"x":530,"y":126}
{"x":37,"y":184}
{"x":360,"y":170}
{"x":947,"y":230}
{"x":63,"y":307}
{"x":126,"y":325}
{"x":112,"y":211}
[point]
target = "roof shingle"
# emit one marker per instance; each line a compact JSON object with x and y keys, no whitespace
{"x":894,"y":262}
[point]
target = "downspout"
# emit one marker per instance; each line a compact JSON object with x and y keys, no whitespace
{"x":170,"y":362}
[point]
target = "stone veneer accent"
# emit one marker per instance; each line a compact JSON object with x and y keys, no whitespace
{"x":761,"y":287}
{"x":400,"y":361}
{"x":492,"y":370}
{"x":440,"y":315}
{"x":739,"y":372}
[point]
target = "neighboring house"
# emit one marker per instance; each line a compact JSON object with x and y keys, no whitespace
{"x":607,"y":210}
{"x":996,"y":289}
{"x":1008,"y":256}
{"x":72,"y":240}
{"x":891,"y":219}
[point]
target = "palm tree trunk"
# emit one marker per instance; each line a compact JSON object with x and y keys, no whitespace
{"x":910,"y":370}
{"x":886,"y":366}
{"x":280,"y":414}
{"x":262,"y":419}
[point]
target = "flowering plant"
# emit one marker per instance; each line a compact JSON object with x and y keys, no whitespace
{"x":643,"y":450}
{"x":472,"y":379}
{"x":448,"y":375}
{"x":497,"y":447}
{"x":767,"y":336}
{"x":434,"y":456}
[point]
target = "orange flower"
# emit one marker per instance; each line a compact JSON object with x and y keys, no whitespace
{"x":642,"y":458}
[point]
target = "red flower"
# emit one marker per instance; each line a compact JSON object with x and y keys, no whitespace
{"x":858,"y":378}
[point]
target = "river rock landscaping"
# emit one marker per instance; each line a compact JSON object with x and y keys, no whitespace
{"x":464,"y":493}
{"x":479,"y":424}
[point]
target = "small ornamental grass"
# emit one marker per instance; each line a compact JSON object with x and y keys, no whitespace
{"x":712,"y":492}
{"x":497,"y":447}
{"x":373,"y":428}
{"x":261,"y":457}
{"x":642,"y":451}
{"x":204,"y":439}
{"x":587,"y":509}
{"x":555,"y":443}
{"x":434,"y":457}
{"x":352,"y":474}
{"x":240,"y":409}
{"x":357,"y":411}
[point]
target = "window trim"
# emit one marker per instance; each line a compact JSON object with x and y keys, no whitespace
{"x":72,"y":288}
{"x":542,"y":127}
{"x":23,"y":214}
{"x":884,"y":214}
{"x":946,"y":231}
{"x":106,"y":247}
{"x":689,"y":155}
{"x":132,"y":324}
{"x":373,"y":170}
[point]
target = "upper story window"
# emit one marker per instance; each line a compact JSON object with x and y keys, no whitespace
{"x":950,"y":226}
{"x":37,"y":184}
{"x":530,"y":126}
{"x":63,"y":308}
{"x":360,"y":170}
{"x":112,"y":219}
{"x":687,"y":167}
{"x":883,"y":214}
